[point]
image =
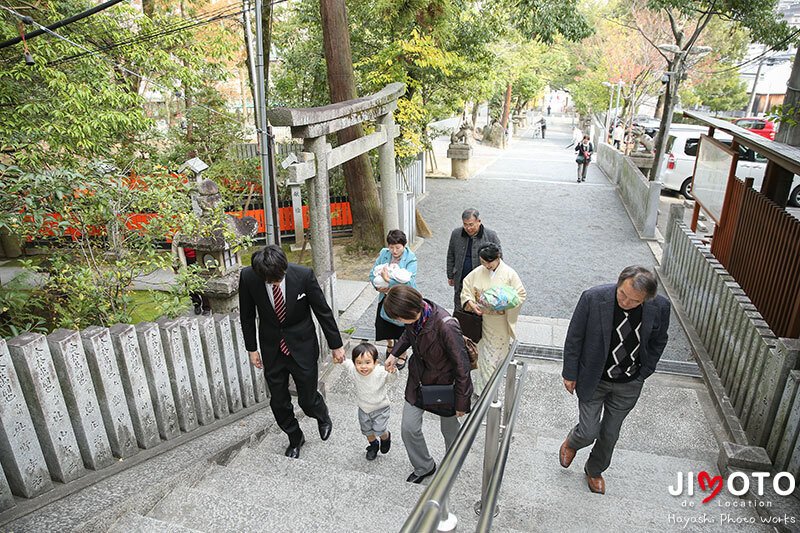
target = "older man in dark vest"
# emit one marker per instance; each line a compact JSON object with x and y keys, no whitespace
{"x":462,"y":253}
{"x":615,"y":339}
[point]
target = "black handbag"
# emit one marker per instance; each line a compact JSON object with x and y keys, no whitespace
{"x":439,"y":399}
{"x":471,"y":324}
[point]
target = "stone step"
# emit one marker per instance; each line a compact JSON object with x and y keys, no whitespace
{"x":136,"y":523}
{"x":342,"y":500}
{"x":215,"y":513}
{"x":668,"y":406}
{"x":634,"y":477}
{"x":346,"y":446}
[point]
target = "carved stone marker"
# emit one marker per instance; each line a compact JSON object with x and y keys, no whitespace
{"x":134,"y":381}
{"x":20,"y":453}
{"x":259,"y":380}
{"x":172,"y":343}
{"x":158,"y":381}
{"x":84,"y":411}
{"x":213,"y":360}
{"x":196,"y":365}
{"x":229,"y":362}
{"x":243,"y":359}
{"x":39,"y":382}
{"x":110,"y":392}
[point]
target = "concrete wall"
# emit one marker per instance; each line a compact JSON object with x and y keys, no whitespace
{"x":747,"y":368}
{"x":74,"y":401}
{"x":639,"y":195}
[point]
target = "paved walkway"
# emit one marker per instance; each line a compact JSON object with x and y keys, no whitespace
{"x":560,"y":236}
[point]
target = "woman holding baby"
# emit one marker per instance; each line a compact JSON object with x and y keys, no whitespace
{"x":395,"y":265}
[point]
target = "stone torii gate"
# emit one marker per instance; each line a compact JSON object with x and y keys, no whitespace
{"x":314,"y":163}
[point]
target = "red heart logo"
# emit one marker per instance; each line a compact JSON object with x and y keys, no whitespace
{"x":709,"y":483}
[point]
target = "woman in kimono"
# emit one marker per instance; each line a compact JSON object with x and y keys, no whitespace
{"x":499,"y":318}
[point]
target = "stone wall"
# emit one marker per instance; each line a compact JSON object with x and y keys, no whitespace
{"x":639,"y":195}
{"x":71,"y":401}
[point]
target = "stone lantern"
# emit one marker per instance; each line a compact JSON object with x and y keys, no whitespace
{"x":213,"y":252}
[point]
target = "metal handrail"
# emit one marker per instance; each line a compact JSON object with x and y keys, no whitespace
{"x":442,"y":482}
{"x":493,"y":489}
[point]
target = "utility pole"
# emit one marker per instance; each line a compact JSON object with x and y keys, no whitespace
{"x":263,"y":137}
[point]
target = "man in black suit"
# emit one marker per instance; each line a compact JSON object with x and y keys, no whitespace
{"x":284,"y":295}
{"x":615,"y":339}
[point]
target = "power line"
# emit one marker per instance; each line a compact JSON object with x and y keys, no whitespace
{"x":109,"y":60}
{"x":60,"y":23}
{"x":221,"y":15}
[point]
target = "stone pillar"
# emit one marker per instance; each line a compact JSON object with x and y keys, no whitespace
{"x":243,"y":359}
{"x":320,"y":206}
{"x":229,"y":362}
{"x":213,"y":360}
{"x":257,"y":374}
{"x":20,"y":453}
{"x":459,"y":154}
{"x":6,"y":498}
{"x":172,"y":343}
{"x":155,"y":367}
{"x":39,"y":382}
{"x":134,"y":382}
{"x":110,"y":392}
{"x":386,"y":167}
{"x":196,"y":365}
{"x":76,"y":383}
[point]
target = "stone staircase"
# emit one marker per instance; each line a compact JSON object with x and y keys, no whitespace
{"x":332,"y":488}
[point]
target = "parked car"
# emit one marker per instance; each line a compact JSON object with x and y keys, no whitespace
{"x":650,"y":124}
{"x":761,"y":126}
{"x":677,"y":166}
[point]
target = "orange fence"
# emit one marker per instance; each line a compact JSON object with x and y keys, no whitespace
{"x":759,"y":245}
{"x":340,"y":217}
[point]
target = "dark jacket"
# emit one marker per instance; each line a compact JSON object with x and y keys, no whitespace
{"x":589,"y":337}
{"x":303,"y":294}
{"x":457,"y":249}
{"x":589,"y":152}
{"x":439,"y":358}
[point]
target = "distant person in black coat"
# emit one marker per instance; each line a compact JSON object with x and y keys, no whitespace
{"x":584,"y":151}
{"x":614,"y":341}
{"x":284,"y":295}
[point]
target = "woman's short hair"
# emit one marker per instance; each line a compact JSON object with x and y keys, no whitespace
{"x":270,"y":264}
{"x":396,"y":236}
{"x":365,"y":348}
{"x":490,"y":251}
{"x":403,"y":303}
{"x":642,"y":279}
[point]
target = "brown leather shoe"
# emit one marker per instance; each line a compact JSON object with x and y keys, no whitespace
{"x":566,"y":454}
{"x":596,"y":484}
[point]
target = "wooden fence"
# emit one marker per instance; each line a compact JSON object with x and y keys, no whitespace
{"x":758,"y":242}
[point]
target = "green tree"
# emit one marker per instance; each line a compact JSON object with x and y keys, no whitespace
{"x":722,"y":92}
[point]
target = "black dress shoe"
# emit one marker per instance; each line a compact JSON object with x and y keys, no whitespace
{"x":293,"y":450}
{"x":325,"y":428}
{"x":413,"y":478}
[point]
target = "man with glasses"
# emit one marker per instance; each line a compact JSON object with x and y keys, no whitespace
{"x":462,"y":252}
{"x":615,"y":338}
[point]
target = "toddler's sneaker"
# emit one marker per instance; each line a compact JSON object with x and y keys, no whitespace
{"x":372,"y":450}
{"x":386,"y":444}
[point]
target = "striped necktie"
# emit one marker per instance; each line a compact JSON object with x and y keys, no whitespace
{"x":280,"y":310}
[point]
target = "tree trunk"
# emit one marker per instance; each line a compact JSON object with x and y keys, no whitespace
{"x":666,"y":118}
{"x":149,"y":8}
{"x":475,"y":108}
{"x":506,"y":107}
{"x":361,"y":188}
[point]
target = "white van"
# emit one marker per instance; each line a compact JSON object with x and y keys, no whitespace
{"x":677,"y":165}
